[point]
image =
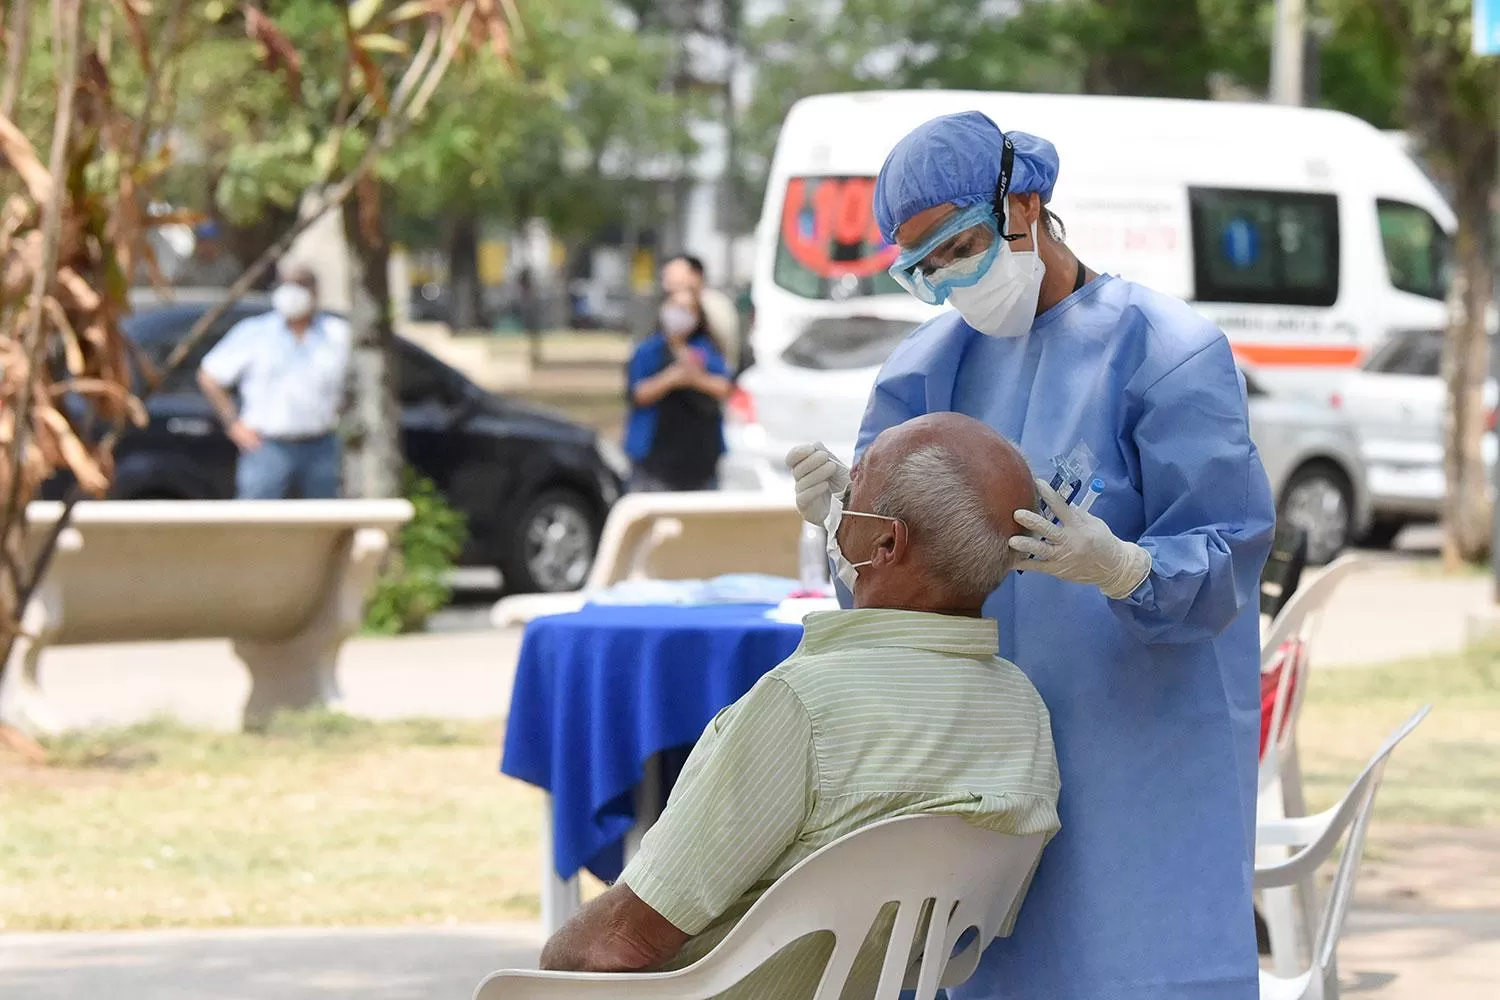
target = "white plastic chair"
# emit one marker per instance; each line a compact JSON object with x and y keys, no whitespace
{"x":1292,"y":633}
{"x":1288,"y":644}
{"x":972,"y":877}
{"x":1315,"y":837}
{"x":678,"y":536}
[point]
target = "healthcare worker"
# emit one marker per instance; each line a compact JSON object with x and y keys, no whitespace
{"x":1138,"y":619}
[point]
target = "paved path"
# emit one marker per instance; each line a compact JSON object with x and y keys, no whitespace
{"x":405,"y":964}
{"x":1385,"y":956}
{"x":1398,"y":610}
{"x":444,"y":675}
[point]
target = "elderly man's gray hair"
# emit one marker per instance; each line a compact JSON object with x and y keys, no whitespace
{"x":943,"y":509}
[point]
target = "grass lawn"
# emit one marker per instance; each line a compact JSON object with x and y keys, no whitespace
{"x":1447,"y":772}
{"x":325,"y":820}
{"x":328,"y":820}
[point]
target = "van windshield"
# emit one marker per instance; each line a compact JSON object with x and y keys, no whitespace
{"x":842,"y":342}
{"x":828,"y":245}
{"x":1416,"y":249}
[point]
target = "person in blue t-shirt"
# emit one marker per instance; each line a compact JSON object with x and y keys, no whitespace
{"x":676,"y":384}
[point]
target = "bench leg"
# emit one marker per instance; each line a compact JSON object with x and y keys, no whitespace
{"x":299,"y":671}
{"x":26,"y":706}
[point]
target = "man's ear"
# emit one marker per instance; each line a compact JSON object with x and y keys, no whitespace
{"x":891,"y":544}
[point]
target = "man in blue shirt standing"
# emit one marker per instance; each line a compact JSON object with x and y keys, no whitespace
{"x":290,"y":366}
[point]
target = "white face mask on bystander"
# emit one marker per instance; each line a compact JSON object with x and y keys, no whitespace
{"x":292,"y":301}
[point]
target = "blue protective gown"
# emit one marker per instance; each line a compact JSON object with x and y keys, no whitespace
{"x":1155,"y":699}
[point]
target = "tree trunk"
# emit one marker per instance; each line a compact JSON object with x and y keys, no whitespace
{"x":373,"y":458}
{"x":463,"y":272}
{"x":531,"y":317}
{"x":1466,"y":504}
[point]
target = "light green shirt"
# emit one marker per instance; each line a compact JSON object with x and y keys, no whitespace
{"x":877,"y":714}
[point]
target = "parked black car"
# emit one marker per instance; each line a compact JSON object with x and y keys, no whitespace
{"x":534,"y":486}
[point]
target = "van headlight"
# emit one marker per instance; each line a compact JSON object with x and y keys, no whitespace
{"x":613,"y":457}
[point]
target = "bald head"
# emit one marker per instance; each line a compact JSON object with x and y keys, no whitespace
{"x":955,"y":484}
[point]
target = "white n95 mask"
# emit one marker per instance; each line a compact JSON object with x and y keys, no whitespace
{"x":1002,"y":303}
{"x":292,"y":301}
{"x":846,"y":571}
{"x":677,"y":320}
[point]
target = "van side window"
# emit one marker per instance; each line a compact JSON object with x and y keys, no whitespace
{"x":1416,"y":249}
{"x":1265,"y":247}
{"x":1409,"y":352}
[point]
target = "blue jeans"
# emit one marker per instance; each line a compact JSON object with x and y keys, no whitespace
{"x":279,"y":468}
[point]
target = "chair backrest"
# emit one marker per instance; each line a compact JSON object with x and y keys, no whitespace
{"x":1283,"y":569}
{"x":1298,"y":618}
{"x":968,"y":877}
{"x":198,"y":568}
{"x":1355,"y":809}
{"x":1287,"y":647}
{"x":697,"y":536}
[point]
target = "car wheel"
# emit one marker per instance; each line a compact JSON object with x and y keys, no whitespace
{"x":552,"y":546}
{"x":1319,"y":500}
{"x":1383,"y":532}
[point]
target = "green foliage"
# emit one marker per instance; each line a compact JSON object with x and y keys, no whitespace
{"x":1138,"y":47}
{"x":413,"y":586}
{"x":558,"y":136}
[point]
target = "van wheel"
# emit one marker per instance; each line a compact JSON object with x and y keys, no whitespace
{"x":551,"y":546}
{"x":1319,"y":500}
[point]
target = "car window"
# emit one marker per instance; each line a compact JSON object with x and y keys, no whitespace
{"x":1252,"y":387}
{"x":1412,"y":352}
{"x":1268,"y":247}
{"x":829,"y":246}
{"x":159,"y":333}
{"x":421,"y":378}
{"x":1416,"y":249}
{"x":846,"y":342}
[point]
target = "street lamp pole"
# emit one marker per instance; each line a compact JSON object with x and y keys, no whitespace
{"x":1287,"y":42}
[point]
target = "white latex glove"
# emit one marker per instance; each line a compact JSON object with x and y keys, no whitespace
{"x":1079,"y":548}
{"x":819,"y":476}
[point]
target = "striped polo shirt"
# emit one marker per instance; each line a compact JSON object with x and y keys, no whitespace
{"x":877,"y":714}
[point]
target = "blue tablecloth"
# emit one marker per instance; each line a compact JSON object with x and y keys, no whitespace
{"x":599,"y":692}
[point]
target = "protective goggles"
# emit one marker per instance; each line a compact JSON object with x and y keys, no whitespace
{"x":956,"y":255}
{"x":962,"y":249}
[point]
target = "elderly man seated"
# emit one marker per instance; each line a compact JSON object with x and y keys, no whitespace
{"x":897,"y":707}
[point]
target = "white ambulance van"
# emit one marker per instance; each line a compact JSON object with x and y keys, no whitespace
{"x":1308,"y":236}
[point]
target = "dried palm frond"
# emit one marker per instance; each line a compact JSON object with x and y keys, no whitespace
{"x":64,"y":361}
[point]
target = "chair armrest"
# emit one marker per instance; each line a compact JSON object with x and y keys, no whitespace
{"x":1320,"y":834}
{"x":1294,"y":831}
{"x":532,"y":984}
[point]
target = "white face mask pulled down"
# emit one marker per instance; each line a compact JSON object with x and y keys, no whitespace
{"x":846,"y":571}
{"x":1002,"y":303}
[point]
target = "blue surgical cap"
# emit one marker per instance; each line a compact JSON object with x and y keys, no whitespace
{"x":956,"y":158}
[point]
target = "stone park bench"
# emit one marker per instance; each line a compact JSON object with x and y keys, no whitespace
{"x":678,"y":536}
{"x":284,"y":581}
